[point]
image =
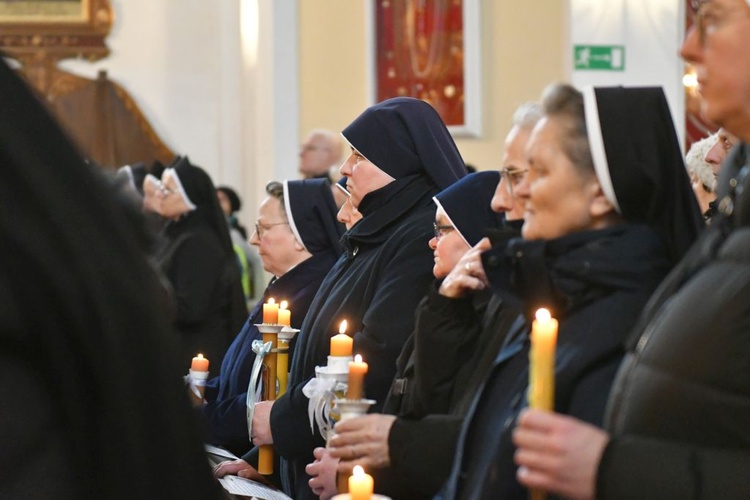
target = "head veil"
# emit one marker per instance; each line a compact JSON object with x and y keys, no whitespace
{"x":312,"y":213}
{"x":639,"y":164}
{"x":404,"y":136}
{"x":199,"y":191}
{"x":467,"y":205}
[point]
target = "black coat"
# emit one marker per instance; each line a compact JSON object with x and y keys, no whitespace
{"x":225,"y":413}
{"x":595,"y":283}
{"x":680,"y":406}
{"x":453,"y":346}
{"x":376,"y":286}
{"x":207,"y":313}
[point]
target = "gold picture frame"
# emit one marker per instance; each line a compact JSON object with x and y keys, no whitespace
{"x":44,"y":11}
{"x":40,"y":33}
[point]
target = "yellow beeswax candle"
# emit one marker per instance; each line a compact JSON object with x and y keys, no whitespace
{"x":270,"y":312}
{"x":357,"y":372}
{"x":342,"y":344}
{"x":199,"y":364}
{"x":361,"y":485}
{"x":285,"y":315}
{"x":542,"y":361}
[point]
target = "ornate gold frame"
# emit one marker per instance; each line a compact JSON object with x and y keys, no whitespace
{"x":40,"y":33}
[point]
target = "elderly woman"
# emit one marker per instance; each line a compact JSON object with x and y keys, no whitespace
{"x":609,"y":210}
{"x":401,"y":155}
{"x":298,"y":240}
{"x":199,"y":262}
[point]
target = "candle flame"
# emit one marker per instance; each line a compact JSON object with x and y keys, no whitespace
{"x":271,"y":301}
{"x":358,"y":358}
{"x":358,"y":471}
{"x":342,"y":327}
{"x":200,"y":356}
{"x":543,"y":314}
{"x":284,"y":304}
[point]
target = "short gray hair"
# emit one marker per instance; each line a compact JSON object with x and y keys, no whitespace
{"x":527,"y":115}
{"x":275,"y":189}
{"x":564,"y":102}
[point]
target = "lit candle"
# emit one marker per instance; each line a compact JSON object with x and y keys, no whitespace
{"x":199,"y":364}
{"x":285,"y":315}
{"x":270,"y":312}
{"x":357,"y":371}
{"x":542,"y":361}
{"x":361,"y":485}
{"x":342,"y":344}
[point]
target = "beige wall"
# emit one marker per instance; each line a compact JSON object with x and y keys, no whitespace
{"x":523,"y":50}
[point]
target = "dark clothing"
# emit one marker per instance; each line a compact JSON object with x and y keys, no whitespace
{"x":203,"y":288}
{"x":225,"y":413}
{"x":454,"y":344}
{"x":376,"y":286}
{"x":595,"y":283}
{"x":91,"y":401}
{"x":680,"y":405}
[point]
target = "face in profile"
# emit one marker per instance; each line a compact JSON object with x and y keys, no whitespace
{"x":173,"y":205}
{"x":348,"y":215}
{"x":152,"y":197}
{"x":514,"y":168}
{"x":362,"y":177}
{"x":447,"y":245}
{"x":717,"y":47}
{"x":274,"y":238}
{"x":556,"y":196}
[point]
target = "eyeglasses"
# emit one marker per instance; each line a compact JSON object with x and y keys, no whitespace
{"x":262,"y":228}
{"x":512,"y":178}
{"x":441,"y":230}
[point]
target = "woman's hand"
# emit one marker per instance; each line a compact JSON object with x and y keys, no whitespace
{"x":468,"y":274}
{"x":262,"y":423}
{"x":231,"y":468}
{"x":558,"y":453}
{"x":323,"y":472}
{"x":362,"y":441}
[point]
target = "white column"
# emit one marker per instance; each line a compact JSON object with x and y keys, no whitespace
{"x":270,"y":96}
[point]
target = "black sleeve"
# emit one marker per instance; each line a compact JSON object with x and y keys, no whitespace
{"x":444,"y":337}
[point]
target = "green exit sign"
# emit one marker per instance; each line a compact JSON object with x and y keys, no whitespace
{"x":599,"y":57}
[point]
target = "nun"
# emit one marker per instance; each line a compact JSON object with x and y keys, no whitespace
{"x":199,"y":263}
{"x":608,"y":212}
{"x":401,"y":155}
{"x":297,"y":236}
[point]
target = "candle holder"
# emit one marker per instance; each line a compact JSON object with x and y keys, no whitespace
{"x":265,"y":355}
{"x":352,"y":408}
{"x":197,"y":380}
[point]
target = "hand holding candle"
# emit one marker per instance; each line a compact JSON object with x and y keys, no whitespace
{"x":270,"y":312}
{"x":361,"y":485}
{"x":357,"y":372}
{"x":542,"y":358}
{"x":342,"y":344}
